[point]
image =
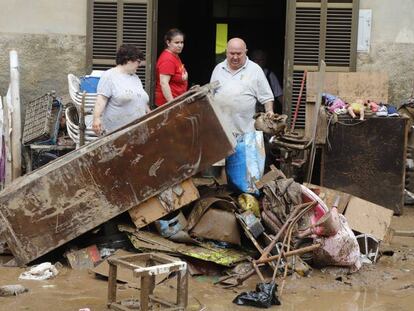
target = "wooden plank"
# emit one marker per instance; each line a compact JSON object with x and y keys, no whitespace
{"x":350,"y":85}
{"x":318,"y":102}
{"x":366,"y":217}
{"x":87,"y":187}
{"x":409,"y":233}
{"x":152,"y":209}
{"x":123,"y":274}
{"x":329,"y":196}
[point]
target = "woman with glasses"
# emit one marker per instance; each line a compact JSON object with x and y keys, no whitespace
{"x":121,"y":97}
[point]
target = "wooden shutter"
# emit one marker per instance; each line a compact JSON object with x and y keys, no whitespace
{"x":115,"y":22}
{"x":315,"y":31}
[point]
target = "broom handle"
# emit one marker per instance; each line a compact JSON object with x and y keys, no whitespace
{"x":302,"y":85}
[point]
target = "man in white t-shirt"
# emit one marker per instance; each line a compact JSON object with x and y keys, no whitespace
{"x":242,"y":84}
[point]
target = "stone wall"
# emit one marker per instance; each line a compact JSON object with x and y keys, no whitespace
{"x":392,"y":45}
{"x":397,"y":60}
{"x":45,"y":60}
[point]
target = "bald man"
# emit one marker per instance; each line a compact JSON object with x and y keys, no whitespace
{"x":242,"y":84}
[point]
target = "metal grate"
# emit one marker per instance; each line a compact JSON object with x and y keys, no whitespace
{"x":338,"y":37}
{"x":41,"y":120}
{"x":307,"y":33}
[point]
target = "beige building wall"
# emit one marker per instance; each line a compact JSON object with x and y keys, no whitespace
{"x":392,"y":45}
{"x":50,"y":38}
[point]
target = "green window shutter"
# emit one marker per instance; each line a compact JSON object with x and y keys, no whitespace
{"x":115,"y":22}
{"x":315,"y":31}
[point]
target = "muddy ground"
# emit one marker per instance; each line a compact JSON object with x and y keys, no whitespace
{"x":388,"y":285}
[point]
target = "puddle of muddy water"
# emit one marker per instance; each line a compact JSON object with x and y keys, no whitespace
{"x":73,"y":290}
{"x":387,"y":286}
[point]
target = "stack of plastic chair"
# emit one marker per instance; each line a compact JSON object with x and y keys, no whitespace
{"x":76,"y":94}
{"x":72,"y":112}
{"x":72,"y":124}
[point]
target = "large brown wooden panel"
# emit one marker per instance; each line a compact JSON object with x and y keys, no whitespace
{"x":367,"y":159}
{"x":93,"y":184}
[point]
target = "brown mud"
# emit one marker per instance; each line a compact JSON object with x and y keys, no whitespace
{"x":386,"y":286}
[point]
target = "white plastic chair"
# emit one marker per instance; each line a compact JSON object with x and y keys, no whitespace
{"x":72,"y":124}
{"x":76,"y":94}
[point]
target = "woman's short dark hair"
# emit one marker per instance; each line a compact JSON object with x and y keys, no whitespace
{"x":127,"y":52}
{"x":170,"y":34}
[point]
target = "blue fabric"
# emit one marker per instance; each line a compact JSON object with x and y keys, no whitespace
{"x":392,"y":111}
{"x":246,"y":165}
{"x":89,"y":84}
{"x":329,"y":98}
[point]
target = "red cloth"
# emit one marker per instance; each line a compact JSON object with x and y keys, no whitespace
{"x":170,"y":64}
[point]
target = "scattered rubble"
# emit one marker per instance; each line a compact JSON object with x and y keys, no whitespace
{"x":170,"y":210}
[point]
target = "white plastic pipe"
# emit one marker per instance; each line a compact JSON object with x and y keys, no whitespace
{"x":16,"y":135}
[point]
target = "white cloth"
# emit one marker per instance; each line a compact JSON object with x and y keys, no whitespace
{"x":239,"y":92}
{"x":127,"y":99}
{"x":40,"y":272}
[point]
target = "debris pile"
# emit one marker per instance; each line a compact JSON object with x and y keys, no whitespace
{"x":168,"y":206}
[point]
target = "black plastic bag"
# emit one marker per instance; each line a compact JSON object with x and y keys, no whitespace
{"x":263,"y":297}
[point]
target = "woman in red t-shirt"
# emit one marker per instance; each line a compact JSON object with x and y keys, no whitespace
{"x":172,"y":78}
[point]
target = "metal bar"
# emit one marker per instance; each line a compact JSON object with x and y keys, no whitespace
{"x":292,"y":215}
{"x":298,"y":251}
{"x":257,"y":270}
{"x":82,"y":126}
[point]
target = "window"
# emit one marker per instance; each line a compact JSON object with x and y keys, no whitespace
{"x":317,"y":30}
{"x":115,"y":22}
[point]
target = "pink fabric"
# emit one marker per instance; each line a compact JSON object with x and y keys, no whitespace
{"x":319,"y":210}
{"x":337,"y":104}
{"x":373,"y":106}
{"x":341,"y":249}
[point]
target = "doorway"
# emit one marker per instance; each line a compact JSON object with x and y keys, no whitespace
{"x":260,"y":23}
